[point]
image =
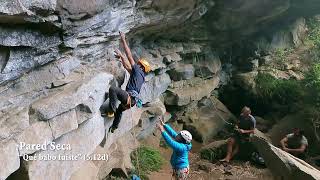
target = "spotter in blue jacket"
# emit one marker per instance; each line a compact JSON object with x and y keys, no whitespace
{"x":179,"y":157}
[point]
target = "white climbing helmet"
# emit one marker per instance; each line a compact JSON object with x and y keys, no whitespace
{"x":186,"y":135}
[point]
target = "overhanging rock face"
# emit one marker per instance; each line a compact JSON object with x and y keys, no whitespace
{"x":284,"y":165}
{"x":57,"y":63}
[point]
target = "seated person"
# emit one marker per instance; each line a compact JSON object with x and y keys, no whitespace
{"x":245,"y":126}
{"x":295,"y":143}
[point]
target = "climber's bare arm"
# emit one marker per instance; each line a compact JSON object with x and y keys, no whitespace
{"x":124,"y":60}
{"x":299,"y":150}
{"x":250,"y":131}
{"x":283,"y":142}
{"x":126,"y":48}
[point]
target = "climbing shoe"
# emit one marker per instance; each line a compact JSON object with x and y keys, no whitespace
{"x":110,"y":114}
{"x":112,"y":129}
{"x":103,"y":114}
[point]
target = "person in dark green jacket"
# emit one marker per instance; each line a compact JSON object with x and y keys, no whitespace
{"x":181,"y":145}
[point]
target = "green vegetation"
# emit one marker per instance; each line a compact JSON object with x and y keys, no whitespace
{"x":312,"y":77}
{"x":313,"y":38}
{"x":312,"y":84}
{"x":146,"y":160}
{"x":306,"y":93}
{"x":280,"y":54}
{"x":314,"y":32}
{"x":213,"y":154}
{"x":279,"y":90}
{"x":163,"y":143}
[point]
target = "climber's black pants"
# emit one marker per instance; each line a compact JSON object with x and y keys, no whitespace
{"x":116,"y":93}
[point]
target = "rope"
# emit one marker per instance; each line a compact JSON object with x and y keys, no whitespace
{"x":135,"y":140}
{"x":196,"y":59}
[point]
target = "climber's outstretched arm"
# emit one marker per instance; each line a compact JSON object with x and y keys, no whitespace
{"x":176,"y":146}
{"x":126,"y":48}
{"x":124,"y":60}
{"x":170,"y":131}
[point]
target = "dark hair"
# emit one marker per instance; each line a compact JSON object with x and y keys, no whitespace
{"x":301,"y":132}
{"x":182,"y":140}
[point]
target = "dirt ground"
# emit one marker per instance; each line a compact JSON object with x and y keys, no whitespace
{"x":204,"y":170}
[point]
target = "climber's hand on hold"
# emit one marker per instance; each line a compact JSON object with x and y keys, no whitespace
{"x":160,"y":126}
{"x":122,"y":35}
{"x":117,"y":54}
{"x":161,"y":120}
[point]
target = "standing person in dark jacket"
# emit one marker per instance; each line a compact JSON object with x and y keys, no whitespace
{"x":181,"y":145}
{"x":130,"y":96}
{"x":245,"y":126}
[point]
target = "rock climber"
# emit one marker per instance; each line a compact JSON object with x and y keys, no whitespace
{"x":245,"y":126}
{"x":295,"y":143}
{"x":130,"y":96}
{"x":181,"y":145}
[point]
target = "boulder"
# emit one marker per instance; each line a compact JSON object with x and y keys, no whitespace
{"x":214,"y":151}
{"x":13,"y":122}
{"x":64,"y":123}
{"x":181,"y":71}
{"x":205,"y":122}
{"x":83,"y":113}
{"x":191,"y":48}
{"x":37,"y":83}
{"x":9,"y":158}
{"x":149,"y":118}
{"x":262,"y":124}
{"x":23,"y":60}
{"x":174,"y":57}
{"x":284,"y":165}
{"x":18,"y":7}
{"x":81,"y":141}
{"x":27,"y":38}
{"x":208,"y":66}
{"x":183,"y":92}
{"x":90,"y":92}
{"x":82,"y":8}
{"x":38,"y":133}
{"x":130,"y":118}
{"x":87,"y":171}
{"x":299,"y":31}
{"x":154,"y":87}
{"x":118,"y":157}
{"x":170,"y":48}
{"x":246,"y":80}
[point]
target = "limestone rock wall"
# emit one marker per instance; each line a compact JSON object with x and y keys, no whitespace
{"x":56,"y":64}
